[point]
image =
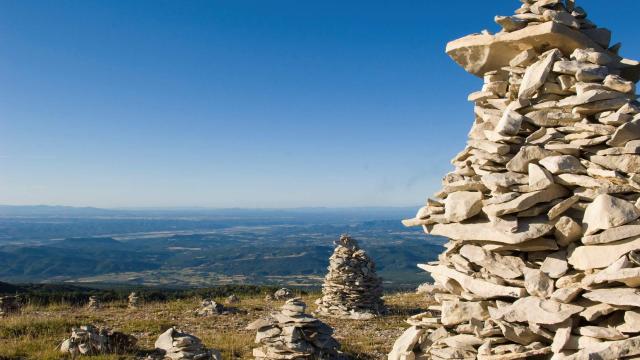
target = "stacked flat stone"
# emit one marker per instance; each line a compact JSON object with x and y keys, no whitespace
{"x":175,"y":344}
{"x":542,"y":208}
{"x":94,"y":303}
{"x":89,"y":340}
{"x":133,"y":301}
{"x":283,"y":294}
{"x":292,"y":334}
{"x":9,"y":305}
{"x":351,"y":288}
{"x":210,"y":307}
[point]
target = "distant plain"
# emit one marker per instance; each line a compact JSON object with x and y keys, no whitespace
{"x":202,"y":247}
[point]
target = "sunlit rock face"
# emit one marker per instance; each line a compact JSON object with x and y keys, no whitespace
{"x":542,"y":209}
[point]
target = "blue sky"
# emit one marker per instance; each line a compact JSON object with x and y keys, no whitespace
{"x":239,"y":103}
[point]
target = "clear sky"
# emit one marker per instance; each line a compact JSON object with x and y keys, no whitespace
{"x":240,"y":103}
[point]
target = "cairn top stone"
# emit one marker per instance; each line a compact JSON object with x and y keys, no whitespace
{"x":482,"y":53}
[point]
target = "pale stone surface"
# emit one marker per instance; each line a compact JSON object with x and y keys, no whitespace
{"x":601,"y":256}
{"x":526,"y":201}
{"x":617,"y":83}
{"x":606,"y":212}
{"x":509,"y":123}
{"x":626,"y":132}
{"x":536,"y":74}
{"x":562,"y":164}
{"x":177,"y":345}
{"x":457,"y":312}
{"x":539,"y":178}
{"x":462,"y":205}
{"x":538,"y":283}
{"x":627,"y":163}
{"x":609,"y":350}
{"x":615,"y":296}
{"x":566,"y":295}
{"x":507,"y":267}
{"x":536,"y":310}
{"x":562,"y":206}
{"x":480,"y":287}
{"x":555,"y":265}
{"x":403,"y":346}
{"x":631,"y":322}
{"x":479,"y":54}
{"x":560,"y":339}
{"x":567,"y":231}
{"x":527,"y":154}
{"x":629,"y":277}
{"x":481,"y":231}
{"x":600,"y":332}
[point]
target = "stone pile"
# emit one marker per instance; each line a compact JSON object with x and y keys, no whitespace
{"x":94,"y":303}
{"x":351,"y":289}
{"x":542,"y":208}
{"x":283,"y":294}
{"x":89,"y":340}
{"x":233,"y":299}
{"x":9,"y":305}
{"x":292,"y":334}
{"x":177,"y":345}
{"x":134,"y":301}
{"x":209,"y":307}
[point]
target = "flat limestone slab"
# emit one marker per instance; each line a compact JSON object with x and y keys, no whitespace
{"x":601,"y":256}
{"x":481,"y":53}
{"x":528,"y":229}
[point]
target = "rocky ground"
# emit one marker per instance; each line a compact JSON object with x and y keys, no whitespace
{"x":38,"y":330}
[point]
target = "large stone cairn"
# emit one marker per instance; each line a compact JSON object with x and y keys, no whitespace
{"x":89,"y":340}
{"x":175,"y":344}
{"x":542,"y":209}
{"x":292,"y":334}
{"x":9,"y":305}
{"x":351,"y":289}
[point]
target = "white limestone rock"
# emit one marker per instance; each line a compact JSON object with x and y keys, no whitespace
{"x":607,"y":212}
{"x":462,"y":205}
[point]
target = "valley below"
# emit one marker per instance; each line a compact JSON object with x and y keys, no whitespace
{"x":201,"y":248}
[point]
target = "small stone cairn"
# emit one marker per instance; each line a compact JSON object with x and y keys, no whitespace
{"x":292,"y":334}
{"x":283,"y":294}
{"x":233,"y":299}
{"x":175,"y":344}
{"x":210,"y":307}
{"x":9,"y":305}
{"x":542,"y":208}
{"x":89,"y":340}
{"x":134,"y":301}
{"x":351,"y":288}
{"x":94,"y":303}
